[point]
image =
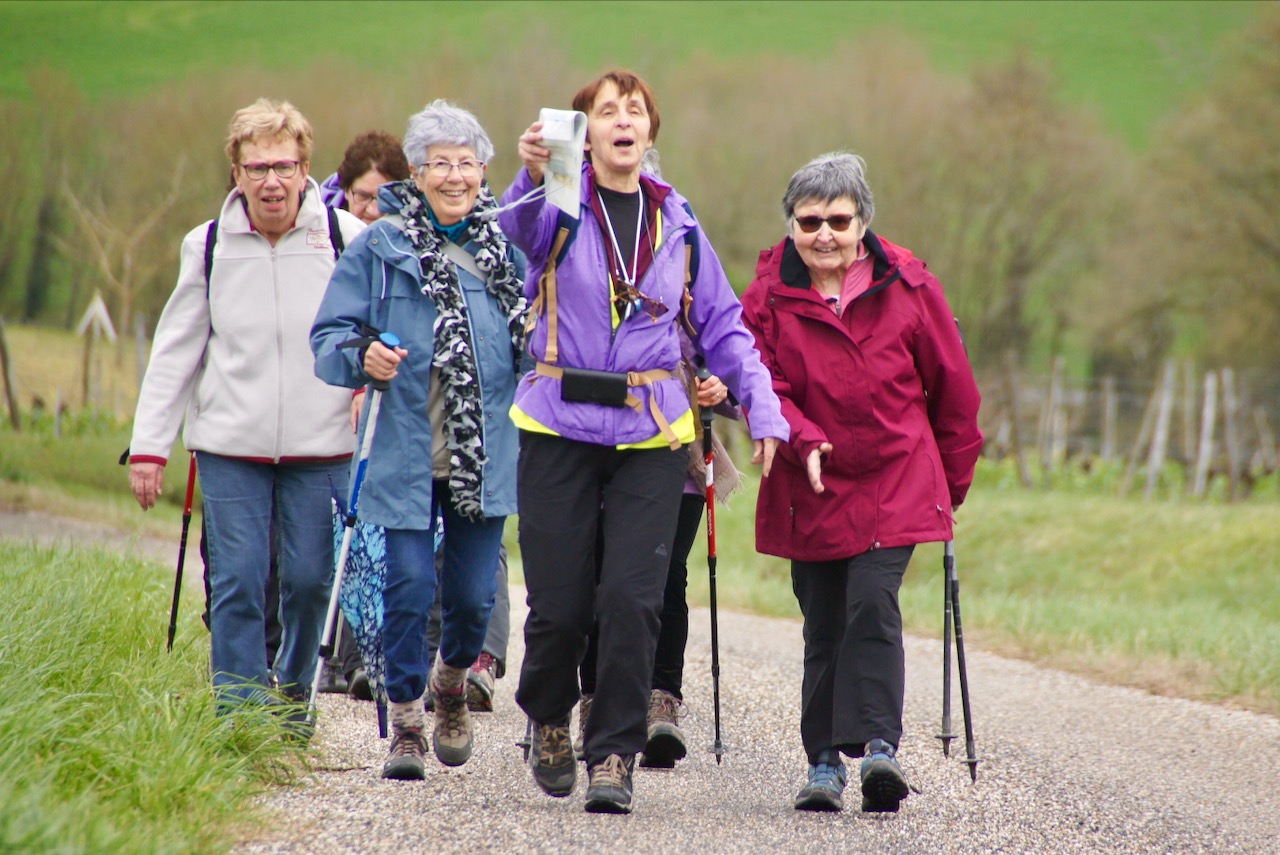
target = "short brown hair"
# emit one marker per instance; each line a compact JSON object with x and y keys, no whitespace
{"x":627,"y":83}
{"x":267,"y":119}
{"x":373,"y":150}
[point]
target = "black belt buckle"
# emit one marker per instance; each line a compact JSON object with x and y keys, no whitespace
{"x":582,"y":385}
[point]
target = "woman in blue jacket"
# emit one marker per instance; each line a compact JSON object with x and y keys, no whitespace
{"x":450,"y":286}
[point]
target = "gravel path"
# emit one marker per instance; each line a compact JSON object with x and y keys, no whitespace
{"x":1067,"y":765}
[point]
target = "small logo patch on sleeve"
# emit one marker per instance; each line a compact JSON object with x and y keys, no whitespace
{"x":319,"y":239}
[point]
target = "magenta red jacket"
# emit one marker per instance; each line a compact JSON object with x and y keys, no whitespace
{"x":888,"y":384}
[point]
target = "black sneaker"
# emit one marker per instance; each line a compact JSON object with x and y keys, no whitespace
{"x":825,"y":788}
{"x":610,"y":787}
{"x":551,"y":758}
{"x":883,"y":784}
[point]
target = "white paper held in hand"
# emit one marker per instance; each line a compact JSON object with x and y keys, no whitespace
{"x":564,"y":133}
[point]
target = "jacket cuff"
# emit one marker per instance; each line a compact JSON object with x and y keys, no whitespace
{"x":148,"y":458}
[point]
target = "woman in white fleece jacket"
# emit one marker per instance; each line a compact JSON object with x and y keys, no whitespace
{"x":231,"y":357}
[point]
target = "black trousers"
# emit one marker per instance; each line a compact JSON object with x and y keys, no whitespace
{"x":854,"y":661}
{"x":673,"y":621}
{"x":570,"y":494}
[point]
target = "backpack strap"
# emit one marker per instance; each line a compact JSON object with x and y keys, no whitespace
{"x":547,"y":297}
{"x":210,"y":241}
{"x":335,"y":233}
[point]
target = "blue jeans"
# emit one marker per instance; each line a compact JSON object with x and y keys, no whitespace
{"x":240,"y":498}
{"x":468,"y":582}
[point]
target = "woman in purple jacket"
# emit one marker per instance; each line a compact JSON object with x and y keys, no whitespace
{"x":603,"y":420}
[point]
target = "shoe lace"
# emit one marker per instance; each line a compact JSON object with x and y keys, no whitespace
{"x":408,"y":742}
{"x":484,"y":662}
{"x":611,"y":772}
{"x":663,"y":706}
{"x":454,"y":707}
{"x":554,"y":746}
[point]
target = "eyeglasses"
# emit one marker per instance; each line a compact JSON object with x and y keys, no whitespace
{"x":838,"y":222}
{"x":442,"y":168}
{"x":282,"y":169}
{"x":362,"y":197}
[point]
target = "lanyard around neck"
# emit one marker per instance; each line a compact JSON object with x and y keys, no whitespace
{"x":628,"y":276}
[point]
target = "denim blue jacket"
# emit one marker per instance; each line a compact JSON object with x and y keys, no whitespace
{"x":378,"y":282}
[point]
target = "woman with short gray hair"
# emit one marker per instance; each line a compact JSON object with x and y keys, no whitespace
{"x":439,"y":274}
{"x":867,"y":359}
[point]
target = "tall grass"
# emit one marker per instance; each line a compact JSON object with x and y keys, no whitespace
{"x":108,"y":743}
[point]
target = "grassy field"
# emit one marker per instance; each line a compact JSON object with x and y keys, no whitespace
{"x":110,"y":744}
{"x":1133,"y":61}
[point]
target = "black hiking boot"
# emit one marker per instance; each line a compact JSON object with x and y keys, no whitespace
{"x":610,"y":787}
{"x":825,"y":788}
{"x":551,"y":758}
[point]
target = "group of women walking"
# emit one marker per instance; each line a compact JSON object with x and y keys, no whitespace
{"x":549,"y":365}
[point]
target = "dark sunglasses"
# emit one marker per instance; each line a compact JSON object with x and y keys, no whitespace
{"x":838,"y":223}
{"x":632,"y":300}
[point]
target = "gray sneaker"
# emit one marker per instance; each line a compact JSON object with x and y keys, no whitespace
{"x":405,"y":760}
{"x":610,"y":787}
{"x":883,"y":784}
{"x":452,"y":737}
{"x":665,"y":743}
{"x":551,"y":758}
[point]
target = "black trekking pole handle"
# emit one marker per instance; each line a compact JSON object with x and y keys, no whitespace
{"x":368,"y":335}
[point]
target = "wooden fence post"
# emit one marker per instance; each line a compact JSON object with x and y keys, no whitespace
{"x":1160,"y":442}
{"x":1208,"y":417}
{"x":1266,"y":440}
{"x":1048,"y":421}
{"x":10,"y":392}
{"x":1140,"y":441}
{"x":1110,"y":405}
{"x":1230,"y":434}
{"x":1188,"y":415}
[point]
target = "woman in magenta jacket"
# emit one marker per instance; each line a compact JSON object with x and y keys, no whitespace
{"x":867,"y":360}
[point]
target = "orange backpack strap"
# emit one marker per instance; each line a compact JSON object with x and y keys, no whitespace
{"x":547,"y":298}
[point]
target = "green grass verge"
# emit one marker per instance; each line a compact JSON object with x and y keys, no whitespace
{"x":107,"y":742}
{"x":1174,"y":596}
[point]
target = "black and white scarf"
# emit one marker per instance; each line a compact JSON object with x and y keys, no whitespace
{"x":454,"y":352}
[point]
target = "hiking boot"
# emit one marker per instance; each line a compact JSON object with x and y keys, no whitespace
{"x":825,"y":789}
{"x":481,"y":677}
{"x":330,"y":681}
{"x":580,"y":744}
{"x":452,"y":737}
{"x":551,"y":758}
{"x":358,"y":685}
{"x":405,"y":760}
{"x":610,"y":788}
{"x":883,"y":784}
{"x":665,"y":744}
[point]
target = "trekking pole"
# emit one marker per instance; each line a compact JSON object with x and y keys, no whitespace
{"x":182,"y":552}
{"x":971,"y":757}
{"x":947,"y":734}
{"x":708,"y":458}
{"x":391,"y":341}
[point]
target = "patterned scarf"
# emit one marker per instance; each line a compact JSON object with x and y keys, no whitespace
{"x":454,"y":352}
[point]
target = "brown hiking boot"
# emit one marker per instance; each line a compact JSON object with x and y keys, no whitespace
{"x":665,"y":744}
{"x":405,"y":759}
{"x":452,"y":737}
{"x":482,"y":677}
{"x":610,"y":787}
{"x":580,"y":744}
{"x":551,"y":758}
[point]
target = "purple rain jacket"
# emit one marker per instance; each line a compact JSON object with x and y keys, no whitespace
{"x":587,"y":339}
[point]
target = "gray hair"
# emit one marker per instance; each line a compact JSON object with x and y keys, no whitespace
{"x":442,"y":123}
{"x":831,"y":176}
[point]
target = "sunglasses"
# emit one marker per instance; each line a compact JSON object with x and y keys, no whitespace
{"x":838,"y":222}
{"x":632,"y":300}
